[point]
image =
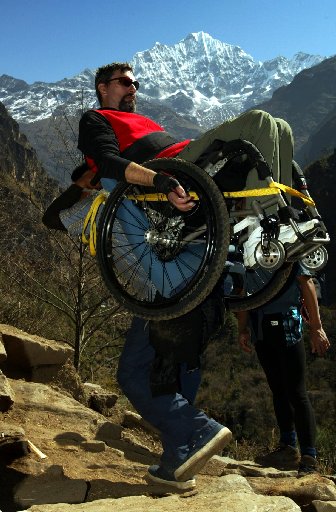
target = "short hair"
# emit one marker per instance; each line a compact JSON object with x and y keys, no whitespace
{"x":104,"y":73}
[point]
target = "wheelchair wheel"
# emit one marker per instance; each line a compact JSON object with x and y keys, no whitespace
{"x":274,"y":258}
{"x":158,"y":262}
{"x":263,"y":282}
{"x":316,"y":260}
{"x":261,"y":286}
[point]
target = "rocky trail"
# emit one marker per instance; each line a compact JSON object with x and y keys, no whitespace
{"x":67,"y":446}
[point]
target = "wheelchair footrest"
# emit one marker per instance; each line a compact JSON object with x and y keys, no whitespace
{"x":287,"y":237}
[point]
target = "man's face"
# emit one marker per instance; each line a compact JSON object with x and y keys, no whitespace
{"x":118,"y":93}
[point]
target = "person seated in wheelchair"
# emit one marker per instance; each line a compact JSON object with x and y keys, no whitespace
{"x":117,"y":141}
{"x":105,"y":131}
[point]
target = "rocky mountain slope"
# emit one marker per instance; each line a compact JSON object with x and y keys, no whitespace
{"x":210,"y":81}
{"x":62,"y":451}
{"x":321,"y":178}
{"x":308,"y":103}
{"x":18,"y":159}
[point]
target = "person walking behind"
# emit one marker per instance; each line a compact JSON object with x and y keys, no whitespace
{"x":276,"y":331}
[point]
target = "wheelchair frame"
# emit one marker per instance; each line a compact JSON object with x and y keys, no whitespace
{"x":165,"y":236}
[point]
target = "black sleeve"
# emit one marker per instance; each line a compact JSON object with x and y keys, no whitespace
{"x":97,"y":140}
{"x":51,"y":217}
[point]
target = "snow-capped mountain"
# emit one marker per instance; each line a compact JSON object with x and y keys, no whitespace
{"x":30,"y":103}
{"x":210,"y":81}
{"x":200,"y":78}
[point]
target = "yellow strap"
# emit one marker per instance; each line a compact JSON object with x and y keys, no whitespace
{"x":252,"y":193}
{"x":293,"y":192}
{"x":193,"y":195}
{"x":272,"y":189}
{"x":150,"y":197}
{"x":91,"y":219}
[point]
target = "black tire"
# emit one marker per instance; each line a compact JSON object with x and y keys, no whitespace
{"x":267,"y":286}
{"x":143,"y":241}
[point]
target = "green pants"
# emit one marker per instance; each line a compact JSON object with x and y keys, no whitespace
{"x":273,"y":137}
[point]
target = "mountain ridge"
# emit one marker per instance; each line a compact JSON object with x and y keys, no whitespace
{"x":218,"y":80}
{"x":308,"y":103}
{"x":187,"y":88}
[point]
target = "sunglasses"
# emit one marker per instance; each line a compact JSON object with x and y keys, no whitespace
{"x":125,"y":81}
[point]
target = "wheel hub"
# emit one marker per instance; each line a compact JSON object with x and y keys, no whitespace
{"x":270,"y":257}
{"x":316,"y":259}
{"x":154,"y":237}
{"x":165,"y":236}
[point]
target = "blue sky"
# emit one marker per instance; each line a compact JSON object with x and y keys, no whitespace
{"x":48,"y":40}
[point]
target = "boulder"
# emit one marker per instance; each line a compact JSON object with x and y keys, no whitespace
{"x":32,"y":357}
{"x":99,"y":399}
{"x":3,"y":355}
{"x":324,"y":506}
{"x":12,"y":442}
{"x":301,"y":490}
{"x":133,"y":419}
{"x":49,"y":487}
{"x":202,"y":502}
{"x":6,"y":394}
{"x":108,"y":432}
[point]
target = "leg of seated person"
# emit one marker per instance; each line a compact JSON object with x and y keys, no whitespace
{"x":257,"y":127}
{"x":286,"y":145}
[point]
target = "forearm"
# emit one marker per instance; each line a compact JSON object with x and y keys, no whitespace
{"x":318,"y":338}
{"x":310,"y":300}
{"x":139,"y":175}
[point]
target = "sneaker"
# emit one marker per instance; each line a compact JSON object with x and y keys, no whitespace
{"x":202,"y":449}
{"x":285,"y":457}
{"x":308,"y":465}
{"x":161,"y":475}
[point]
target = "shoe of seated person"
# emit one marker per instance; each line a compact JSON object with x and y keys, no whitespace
{"x":285,"y":457}
{"x":307,"y":466}
{"x":205,"y":443}
{"x":160,"y":475}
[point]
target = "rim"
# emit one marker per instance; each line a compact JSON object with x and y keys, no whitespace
{"x":154,"y":245}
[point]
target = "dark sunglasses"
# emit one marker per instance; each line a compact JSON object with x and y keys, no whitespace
{"x":125,"y":81}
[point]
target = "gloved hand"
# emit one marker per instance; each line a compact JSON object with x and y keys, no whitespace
{"x":165,"y":183}
{"x":176,"y":194}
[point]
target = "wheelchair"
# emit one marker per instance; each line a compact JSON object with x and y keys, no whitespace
{"x":160,"y":263}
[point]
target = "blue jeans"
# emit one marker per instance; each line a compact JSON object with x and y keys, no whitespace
{"x":176,"y":418}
